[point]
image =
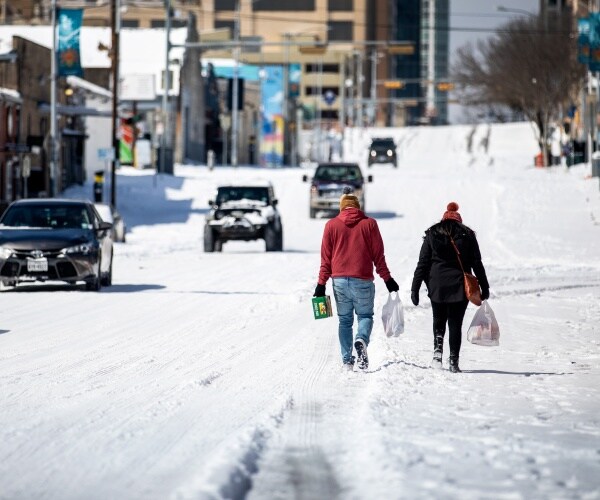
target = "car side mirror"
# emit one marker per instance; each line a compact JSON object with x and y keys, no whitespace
{"x":305,"y":178}
{"x":210,"y":203}
{"x":370,"y":178}
{"x":104,"y":226}
{"x":275,"y":202}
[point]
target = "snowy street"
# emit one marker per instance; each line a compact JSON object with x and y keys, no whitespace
{"x":204,"y":375}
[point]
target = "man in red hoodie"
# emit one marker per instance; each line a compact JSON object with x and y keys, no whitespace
{"x":351,"y":245}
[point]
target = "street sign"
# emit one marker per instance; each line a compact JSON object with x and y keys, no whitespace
{"x":137,"y":87}
{"x":329,"y":97}
{"x":26,"y":167}
{"x":107,"y":154}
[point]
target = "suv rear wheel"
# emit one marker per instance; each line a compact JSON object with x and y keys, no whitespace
{"x":273,"y":239}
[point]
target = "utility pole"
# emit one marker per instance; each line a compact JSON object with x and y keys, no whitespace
{"x":165,"y":98}
{"x":430,"y":106}
{"x":234,"y":90}
{"x":342,"y":113}
{"x":360,"y":80}
{"x":286,"y":94}
{"x":373,"y":105}
{"x":115,"y":23}
{"x":53,"y":166}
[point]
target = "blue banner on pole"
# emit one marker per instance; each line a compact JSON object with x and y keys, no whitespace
{"x":294,"y":82}
{"x":583,"y":40}
{"x":594,"y":63}
{"x":69,"y":28}
{"x":271,"y":141}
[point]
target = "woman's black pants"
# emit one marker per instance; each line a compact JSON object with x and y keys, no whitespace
{"x":453,"y":314}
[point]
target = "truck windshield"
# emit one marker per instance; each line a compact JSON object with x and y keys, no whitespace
{"x":338,"y":173}
{"x":225,"y":194}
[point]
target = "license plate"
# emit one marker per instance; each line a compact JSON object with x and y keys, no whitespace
{"x":37,"y":265}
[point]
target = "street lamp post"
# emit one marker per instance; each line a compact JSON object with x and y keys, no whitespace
{"x":373,"y":106}
{"x":115,"y":26}
{"x":502,"y":8}
{"x":53,"y":148}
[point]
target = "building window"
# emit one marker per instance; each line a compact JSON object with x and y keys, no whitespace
{"x":224,"y":5}
{"x":340,"y":31}
{"x":225,"y":24}
{"x":325,"y":68}
{"x":341,"y":5}
{"x":130,"y":23}
{"x":321,"y":90}
{"x":175,"y":23}
{"x":288,"y":5}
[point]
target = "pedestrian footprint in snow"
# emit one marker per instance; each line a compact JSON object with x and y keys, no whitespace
{"x":441,"y":271}
{"x":351,"y":245}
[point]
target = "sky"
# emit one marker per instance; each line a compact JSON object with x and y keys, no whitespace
{"x":481,"y":16}
{"x":471,"y":20}
{"x":204,"y":375}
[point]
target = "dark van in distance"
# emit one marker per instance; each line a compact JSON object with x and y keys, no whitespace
{"x":382,"y":150}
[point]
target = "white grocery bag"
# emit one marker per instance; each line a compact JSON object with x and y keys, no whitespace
{"x":484,"y":328}
{"x":393,"y":316}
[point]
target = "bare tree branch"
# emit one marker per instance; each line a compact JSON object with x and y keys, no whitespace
{"x":526,"y":67}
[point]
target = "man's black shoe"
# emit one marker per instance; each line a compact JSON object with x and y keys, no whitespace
{"x":362,"y":359}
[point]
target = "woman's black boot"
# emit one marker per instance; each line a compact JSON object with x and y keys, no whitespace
{"x":438,"y":346}
{"x":454,"y":364}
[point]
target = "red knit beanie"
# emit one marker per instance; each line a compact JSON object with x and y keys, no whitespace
{"x":452,"y":212}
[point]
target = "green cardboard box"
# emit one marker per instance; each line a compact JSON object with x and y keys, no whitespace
{"x":322,"y":307}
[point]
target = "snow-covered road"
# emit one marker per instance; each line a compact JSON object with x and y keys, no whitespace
{"x":204,"y":375}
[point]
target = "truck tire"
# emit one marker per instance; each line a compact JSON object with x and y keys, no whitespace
{"x":273,"y":239}
{"x":209,"y":239}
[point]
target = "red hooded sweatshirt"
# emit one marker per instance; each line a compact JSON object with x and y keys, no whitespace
{"x":351,"y":245}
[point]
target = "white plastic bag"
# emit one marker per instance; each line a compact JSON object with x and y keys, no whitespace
{"x":393,"y":316}
{"x":484,"y":328}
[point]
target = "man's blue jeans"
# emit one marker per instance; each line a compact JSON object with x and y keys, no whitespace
{"x":353,"y":295}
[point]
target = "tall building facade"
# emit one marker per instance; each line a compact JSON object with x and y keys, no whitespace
{"x":423,"y":97}
{"x":339,"y":23}
{"x":407,"y":68}
{"x":435,"y":23}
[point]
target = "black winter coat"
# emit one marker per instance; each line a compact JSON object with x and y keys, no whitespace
{"x":438,"y":264}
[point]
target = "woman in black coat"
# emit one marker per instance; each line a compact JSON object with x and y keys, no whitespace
{"x":439,"y":268}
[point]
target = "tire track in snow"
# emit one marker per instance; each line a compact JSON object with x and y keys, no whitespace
{"x":296,"y":466}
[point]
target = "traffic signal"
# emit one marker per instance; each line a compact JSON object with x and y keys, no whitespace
{"x":132,"y":120}
{"x":240,"y":94}
{"x":445,"y":86}
{"x":393,"y":84}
